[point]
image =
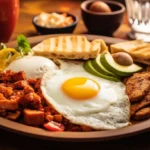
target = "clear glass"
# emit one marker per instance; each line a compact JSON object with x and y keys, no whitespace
{"x":139,"y":19}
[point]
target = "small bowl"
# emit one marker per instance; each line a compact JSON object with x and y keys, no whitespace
{"x":102,"y":23}
{"x":48,"y":30}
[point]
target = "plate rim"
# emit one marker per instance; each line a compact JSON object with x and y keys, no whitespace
{"x":35,"y":132}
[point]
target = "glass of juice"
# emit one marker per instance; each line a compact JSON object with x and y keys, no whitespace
{"x":9,"y":12}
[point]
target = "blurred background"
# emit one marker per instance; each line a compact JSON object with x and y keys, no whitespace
{"x":30,"y":8}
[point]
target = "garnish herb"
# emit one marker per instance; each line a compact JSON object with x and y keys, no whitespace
{"x":23,"y":45}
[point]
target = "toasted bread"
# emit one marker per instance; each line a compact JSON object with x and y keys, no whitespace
{"x":139,"y":50}
{"x":70,"y":47}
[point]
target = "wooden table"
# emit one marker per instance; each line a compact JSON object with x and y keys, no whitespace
{"x":11,"y":141}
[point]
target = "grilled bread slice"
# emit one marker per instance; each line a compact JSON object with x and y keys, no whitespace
{"x":139,"y":50}
{"x":70,"y":47}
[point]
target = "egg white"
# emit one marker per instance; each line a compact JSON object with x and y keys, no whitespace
{"x":33,"y":66}
{"x":109,"y":109}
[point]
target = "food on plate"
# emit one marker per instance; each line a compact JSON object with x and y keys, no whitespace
{"x":105,"y":67}
{"x":12,"y":115}
{"x":139,"y":50}
{"x":89,"y":67}
{"x":33,"y":117}
{"x":54,"y":20}
{"x":7,"y":55}
{"x":137,"y":88}
{"x":141,"y":104}
{"x":123,"y":58}
{"x":68,"y":83}
{"x":96,"y":63}
{"x":99,"y":6}
{"x":142,"y":114}
{"x":23,"y":45}
{"x":81,"y":97}
{"x":54,"y":126}
{"x":70,"y":47}
{"x":36,"y":102}
{"x":21,"y":100}
{"x":2,"y":46}
{"x":108,"y":62}
{"x":33,"y":66}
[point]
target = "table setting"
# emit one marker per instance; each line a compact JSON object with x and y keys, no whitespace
{"x":74,"y":74}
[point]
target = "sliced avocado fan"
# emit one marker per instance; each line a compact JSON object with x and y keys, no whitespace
{"x":110,"y":64}
{"x":89,"y":68}
{"x":96,"y":63}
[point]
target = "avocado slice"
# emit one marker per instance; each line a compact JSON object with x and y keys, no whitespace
{"x":96,"y":63}
{"x":89,"y":68}
{"x":109,"y":63}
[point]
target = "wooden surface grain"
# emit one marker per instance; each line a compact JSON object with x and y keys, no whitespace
{"x":11,"y":141}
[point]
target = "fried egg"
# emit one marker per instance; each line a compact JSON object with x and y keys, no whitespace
{"x":33,"y":66}
{"x":85,"y":99}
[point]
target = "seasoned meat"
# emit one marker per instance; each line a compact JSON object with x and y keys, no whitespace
{"x":28,"y":89}
{"x":58,"y":118}
{"x":32,"y":81}
{"x":37,"y":85}
{"x":2,"y":97}
{"x":17,"y":94}
{"x":137,"y":86}
{"x":43,"y":100}
{"x":86,"y":128}
{"x":6,"y":91}
{"x":3,"y":112}
{"x":10,"y":76}
{"x":48,"y":117}
{"x":142,"y":114}
{"x":33,"y":117}
{"x":5,"y":76}
{"x":20,"y":85}
{"x":143,"y":103}
{"x":18,"y":76}
{"x":50,"y":109}
{"x":13,"y":115}
{"x":30,"y":100}
{"x":8,"y":104}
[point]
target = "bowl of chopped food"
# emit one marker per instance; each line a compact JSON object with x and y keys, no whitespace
{"x":55,"y":22}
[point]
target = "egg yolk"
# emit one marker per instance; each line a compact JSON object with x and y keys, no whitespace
{"x":80,"y":88}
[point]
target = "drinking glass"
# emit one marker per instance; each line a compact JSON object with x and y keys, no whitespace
{"x":9,"y":11}
{"x":139,"y":19}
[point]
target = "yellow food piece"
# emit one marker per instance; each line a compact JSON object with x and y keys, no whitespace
{"x":6,"y":58}
{"x":70,"y":47}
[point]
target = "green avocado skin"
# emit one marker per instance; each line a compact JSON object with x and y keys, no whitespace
{"x":89,"y":68}
{"x":108,"y":66}
{"x":96,"y":63}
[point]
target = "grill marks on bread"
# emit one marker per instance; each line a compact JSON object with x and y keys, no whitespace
{"x":71,"y":47}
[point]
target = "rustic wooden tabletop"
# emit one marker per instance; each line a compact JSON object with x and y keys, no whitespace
{"x":11,"y":141}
